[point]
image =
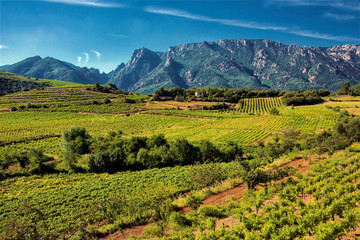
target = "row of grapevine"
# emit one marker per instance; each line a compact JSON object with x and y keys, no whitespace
{"x":69,"y":200}
{"x":259,"y":105}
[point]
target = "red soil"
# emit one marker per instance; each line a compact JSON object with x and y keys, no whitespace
{"x":218,"y":198}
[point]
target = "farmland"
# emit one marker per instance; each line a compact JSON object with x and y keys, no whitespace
{"x":66,"y":202}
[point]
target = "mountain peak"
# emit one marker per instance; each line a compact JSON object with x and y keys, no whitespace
{"x":242,"y":63}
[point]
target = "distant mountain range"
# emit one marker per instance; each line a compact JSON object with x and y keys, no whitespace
{"x":51,"y":68}
{"x":240,"y":63}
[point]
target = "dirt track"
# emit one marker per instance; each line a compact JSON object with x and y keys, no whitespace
{"x":300,"y":164}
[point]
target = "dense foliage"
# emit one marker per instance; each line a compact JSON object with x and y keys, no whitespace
{"x":213,"y":94}
{"x":301,"y":97}
{"x":115,"y":153}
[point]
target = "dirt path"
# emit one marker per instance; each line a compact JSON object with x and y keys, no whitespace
{"x":127,"y":233}
{"x":300,"y":164}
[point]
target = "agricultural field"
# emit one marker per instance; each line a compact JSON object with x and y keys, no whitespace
{"x":78,"y":204}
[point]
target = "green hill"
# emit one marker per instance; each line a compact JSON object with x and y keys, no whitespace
{"x":11,"y":83}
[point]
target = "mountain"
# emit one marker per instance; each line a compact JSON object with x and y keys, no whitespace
{"x":51,"y":68}
{"x":240,"y":63}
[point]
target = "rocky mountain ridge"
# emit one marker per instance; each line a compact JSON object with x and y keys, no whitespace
{"x":238,"y":63}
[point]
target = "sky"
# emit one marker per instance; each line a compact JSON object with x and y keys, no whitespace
{"x":104,"y":33}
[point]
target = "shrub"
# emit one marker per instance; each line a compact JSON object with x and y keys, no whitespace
{"x":193,"y":201}
{"x":154,"y":230}
{"x":211,"y":211}
{"x":274,"y":111}
{"x":127,"y":100}
{"x":180,"y":220}
{"x":107,"y":101}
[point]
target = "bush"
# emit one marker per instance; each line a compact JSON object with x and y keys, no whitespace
{"x":127,"y":100}
{"x":107,"y":101}
{"x":180,"y":220}
{"x":274,"y":111}
{"x":211,"y":211}
{"x":194,"y":201}
{"x":154,"y":230}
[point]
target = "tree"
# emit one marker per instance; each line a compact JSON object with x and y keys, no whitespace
{"x":156,"y":141}
{"x":74,"y":141}
{"x":344,"y":90}
{"x":108,"y":161}
{"x":183,"y":152}
{"x":252,"y":173}
{"x":209,"y":152}
{"x":37,"y":160}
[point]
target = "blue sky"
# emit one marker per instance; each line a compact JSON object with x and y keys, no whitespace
{"x":104,"y":33}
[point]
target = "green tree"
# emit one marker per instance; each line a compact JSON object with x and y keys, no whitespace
{"x":344,"y":90}
{"x":108,"y":161}
{"x":74,"y":141}
{"x":208,"y":151}
{"x":183,"y":152}
{"x":37,"y":160}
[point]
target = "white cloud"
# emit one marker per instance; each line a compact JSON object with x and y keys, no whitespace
{"x":87,"y":57}
{"x":353,"y":5}
{"x":248,"y":24}
{"x":229,"y":22}
{"x":325,"y":36}
{"x":3,"y":46}
{"x":98,"y":54}
{"x":339,"y":17}
{"x":79,"y":60}
{"x":91,"y":3}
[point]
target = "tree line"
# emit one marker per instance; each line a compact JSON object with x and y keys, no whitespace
{"x":301,"y":97}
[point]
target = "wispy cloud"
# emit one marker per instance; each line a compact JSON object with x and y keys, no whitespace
{"x":90,"y":3}
{"x":247,"y":24}
{"x":325,"y":36}
{"x":3,"y":47}
{"x":230,"y":22}
{"x":353,"y":5}
{"x":339,"y":17}
{"x":98,"y":54}
{"x":79,"y":60}
{"x":87,"y":57}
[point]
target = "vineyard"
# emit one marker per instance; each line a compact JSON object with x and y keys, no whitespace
{"x":319,"y":204}
{"x":259,"y":105}
{"x":70,"y":200}
{"x":322,"y":204}
{"x":71,"y":99}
